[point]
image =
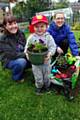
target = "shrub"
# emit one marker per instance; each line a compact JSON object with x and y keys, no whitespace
{"x":76,"y":26}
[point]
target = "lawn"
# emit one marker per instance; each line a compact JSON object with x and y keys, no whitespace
{"x":19,"y":102}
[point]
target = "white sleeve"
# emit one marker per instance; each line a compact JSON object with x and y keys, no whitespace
{"x":51,"y":45}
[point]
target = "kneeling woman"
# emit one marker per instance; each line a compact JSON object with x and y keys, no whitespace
{"x":12,"y":44}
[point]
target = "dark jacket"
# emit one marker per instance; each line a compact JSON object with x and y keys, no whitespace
{"x":63,"y":33}
{"x":12,"y":47}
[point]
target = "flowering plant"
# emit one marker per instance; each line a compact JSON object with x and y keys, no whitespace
{"x":38,"y":47}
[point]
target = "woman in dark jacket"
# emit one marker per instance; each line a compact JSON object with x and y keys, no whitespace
{"x":12,"y":44}
{"x":62,"y":35}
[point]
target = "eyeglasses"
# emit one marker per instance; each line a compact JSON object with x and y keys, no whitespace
{"x":62,"y":18}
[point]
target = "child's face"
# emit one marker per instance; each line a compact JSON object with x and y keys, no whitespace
{"x":40,"y":28}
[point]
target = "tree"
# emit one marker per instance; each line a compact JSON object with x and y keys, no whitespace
{"x":30,"y":8}
{"x":61,"y":4}
{"x":35,"y":6}
{"x":20,"y":10}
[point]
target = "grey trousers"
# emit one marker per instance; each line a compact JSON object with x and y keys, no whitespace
{"x":41,"y":73}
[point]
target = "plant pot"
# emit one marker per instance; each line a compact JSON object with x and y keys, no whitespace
{"x":37,"y":58}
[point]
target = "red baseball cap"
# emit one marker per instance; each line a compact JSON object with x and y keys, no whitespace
{"x":39,"y":18}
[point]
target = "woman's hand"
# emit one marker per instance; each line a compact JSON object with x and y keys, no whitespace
{"x":59,"y":50}
{"x":78,"y":57}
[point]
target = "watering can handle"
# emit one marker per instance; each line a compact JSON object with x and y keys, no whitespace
{"x":55,"y":60}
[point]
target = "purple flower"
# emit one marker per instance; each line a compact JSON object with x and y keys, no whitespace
{"x":41,"y":41}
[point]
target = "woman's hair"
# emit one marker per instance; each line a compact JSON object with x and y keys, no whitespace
{"x":58,"y":13}
{"x":9,"y":19}
{"x":51,"y":18}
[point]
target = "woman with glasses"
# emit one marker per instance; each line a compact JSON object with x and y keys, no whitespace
{"x":62,"y":35}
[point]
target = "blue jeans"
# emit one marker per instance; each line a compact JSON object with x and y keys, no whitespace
{"x":17,"y":67}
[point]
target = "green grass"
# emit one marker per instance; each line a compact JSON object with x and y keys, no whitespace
{"x":19,"y":102}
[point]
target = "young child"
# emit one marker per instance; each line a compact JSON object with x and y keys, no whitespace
{"x":41,"y":72}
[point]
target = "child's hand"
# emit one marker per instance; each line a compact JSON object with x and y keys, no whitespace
{"x":47,"y":58}
{"x":27,"y":56}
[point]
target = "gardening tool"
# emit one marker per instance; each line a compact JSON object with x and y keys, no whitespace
{"x":55,"y":60}
{"x":55,"y":70}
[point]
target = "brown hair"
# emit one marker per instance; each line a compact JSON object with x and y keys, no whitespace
{"x":8,"y":18}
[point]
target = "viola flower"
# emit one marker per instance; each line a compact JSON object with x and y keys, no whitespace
{"x":38,"y":47}
{"x":41,"y":41}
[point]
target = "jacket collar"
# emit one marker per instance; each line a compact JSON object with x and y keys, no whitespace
{"x":53,"y":24}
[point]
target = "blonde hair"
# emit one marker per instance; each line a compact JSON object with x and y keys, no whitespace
{"x":54,"y":16}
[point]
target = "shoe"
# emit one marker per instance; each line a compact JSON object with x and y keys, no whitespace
{"x":39,"y":91}
{"x":47,"y":89}
{"x":20,"y":81}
